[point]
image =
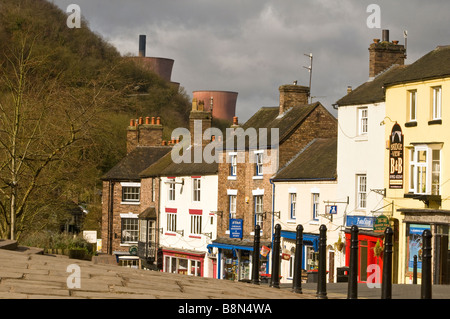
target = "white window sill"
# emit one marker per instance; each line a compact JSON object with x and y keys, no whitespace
{"x":258,"y":177}
{"x":130,"y":203}
{"x":314,"y":222}
{"x":291,"y":221}
{"x":231,"y":178}
{"x":361,"y":138}
{"x":128,"y":244}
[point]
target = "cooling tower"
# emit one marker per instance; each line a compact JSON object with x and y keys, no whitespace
{"x":224,"y":103}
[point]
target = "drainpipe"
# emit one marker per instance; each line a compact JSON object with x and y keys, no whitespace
{"x":273,"y":219}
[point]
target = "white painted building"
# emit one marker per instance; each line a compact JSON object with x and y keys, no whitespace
{"x":188,"y":221}
{"x":360,"y":163}
{"x":305,"y":192}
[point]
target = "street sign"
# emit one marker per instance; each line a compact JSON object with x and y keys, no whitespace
{"x":331,"y":209}
{"x":380,"y":224}
{"x":236,"y":228}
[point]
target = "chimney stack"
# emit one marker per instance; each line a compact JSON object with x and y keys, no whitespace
{"x":140,"y":134}
{"x":384,"y":54}
{"x":292,"y":95}
{"x":142,"y":44}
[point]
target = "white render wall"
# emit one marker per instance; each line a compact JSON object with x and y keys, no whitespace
{"x":183,"y":202}
{"x":359,"y":154}
{"x":304,"y":191}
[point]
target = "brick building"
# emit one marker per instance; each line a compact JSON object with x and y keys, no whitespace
{"x":245,"y":194}
{"x":127,"y":199}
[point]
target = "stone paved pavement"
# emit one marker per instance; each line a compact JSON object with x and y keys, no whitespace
{"x":27,"y":275}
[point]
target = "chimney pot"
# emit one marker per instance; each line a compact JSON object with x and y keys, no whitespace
{"x":235,"y":120}
{"x":131,"y":122}
{"x":140,"y":120}
{"x":142,"y":44}
{"x":349,"y":89}
{"x":147,"y":120}
{"x":158,"y":121}
{"x":385,"y":35}
{"x":153,"y":120}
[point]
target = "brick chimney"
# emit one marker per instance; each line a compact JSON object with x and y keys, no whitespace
{"x":383,"y":54}
{"x":198,"y":113}
{"x":292,"y":95}
{"x":140,"y":133}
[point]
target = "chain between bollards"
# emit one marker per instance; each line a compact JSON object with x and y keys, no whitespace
{"x":255,"y":257}
{"x":297,"y":282}
{"x":386,"y":284}
{"x":352,"y":292}
{"x":426,"y":265}
{"x":275,"y":278}
{"x":322,"y":272}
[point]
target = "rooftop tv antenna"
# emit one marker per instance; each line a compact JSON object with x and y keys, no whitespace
{"x":405,"y":35}
{"x":309,"y":68}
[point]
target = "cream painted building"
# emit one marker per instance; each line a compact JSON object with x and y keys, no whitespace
{"x":418,"y":100}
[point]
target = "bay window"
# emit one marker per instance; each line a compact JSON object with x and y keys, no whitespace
{"x":424,"y":174}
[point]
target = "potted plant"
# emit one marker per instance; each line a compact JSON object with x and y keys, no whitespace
{"x":339,"y":244}
{"x":377,"y":250}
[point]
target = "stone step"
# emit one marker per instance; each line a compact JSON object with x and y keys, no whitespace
{"x":8,"y":244}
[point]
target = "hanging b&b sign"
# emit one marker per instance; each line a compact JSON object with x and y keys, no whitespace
{"x":396,"y":157}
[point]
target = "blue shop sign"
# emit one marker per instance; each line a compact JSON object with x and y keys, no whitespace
{"x":236,"y":228}
{"x":361,"y":221}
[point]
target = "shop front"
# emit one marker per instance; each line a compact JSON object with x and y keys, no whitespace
{"x":235,"y":257}
{"x":438,"y":222}
{"x":183,"y":262}
{"x":370,"y":248}
{"x":288,"y":246}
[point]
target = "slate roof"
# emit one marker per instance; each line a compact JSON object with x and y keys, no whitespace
{"x":166,"y":167}
{"x":371,"y":91}
{"x":433,"y":65}
{"x":316,"y":161}
{"x":268,"y":118}
{"x":135,"y":162}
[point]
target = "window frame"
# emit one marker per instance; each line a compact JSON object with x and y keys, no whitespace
{"x":233,"y":164}
{"x":363,"y":121}
{"x":292,"y":205}
{"x":259,"y":163}
{"x":315,"y":201}
{"x":171,"y":222}
{"x":131,"y":197}
{"x":359,"y":192}
{"x":412,"y":101}
{"x":417,"y":169}
{"x":259,"y":210}
{"x":171,"y":194}
{"x":196,"y":189}
{"x":196,"y":224}
{"x":232,"y":203}
{"x":436,"y":111}
{"x":125,"y":226}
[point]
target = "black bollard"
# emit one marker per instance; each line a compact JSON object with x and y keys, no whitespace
{"x":275,"y":278}
{"x":322,"y":272}
{"x":255,"y":258}
{"x":415,"y":270}
{"x":426,"y":265}
{"x":352,"y":292}
{"x":386,"y":285}
{"x":297,"y":282}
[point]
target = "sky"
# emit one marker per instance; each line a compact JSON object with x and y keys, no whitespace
{"x":254,"y":46}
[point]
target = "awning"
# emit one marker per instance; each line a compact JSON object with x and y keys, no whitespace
{"x":309,"y":239}
{"x":149,"y":213}
{"x":229,"y":247}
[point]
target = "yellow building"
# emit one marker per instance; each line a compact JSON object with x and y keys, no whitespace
{"x":417,"y":162}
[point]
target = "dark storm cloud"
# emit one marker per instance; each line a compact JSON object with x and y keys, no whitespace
{"x":254,"y":46}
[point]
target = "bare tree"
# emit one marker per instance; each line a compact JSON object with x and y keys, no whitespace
{"x":42,"y":122}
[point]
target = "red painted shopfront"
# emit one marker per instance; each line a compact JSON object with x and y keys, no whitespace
{"x":368,"y":257}
{"x":183,"y":262}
